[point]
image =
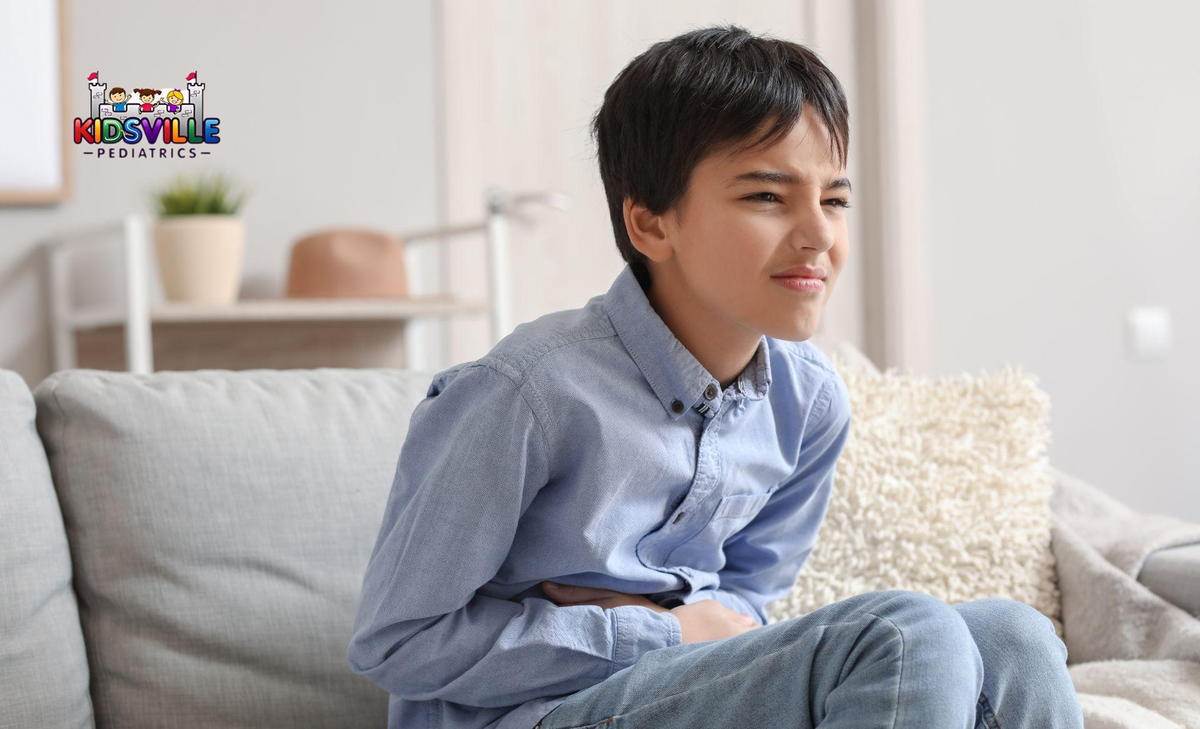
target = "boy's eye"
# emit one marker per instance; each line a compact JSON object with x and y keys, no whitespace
{"x":835,"y":201}
{"x":758,"y":196}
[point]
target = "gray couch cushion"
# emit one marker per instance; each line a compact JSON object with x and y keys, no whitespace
{"x":1173,"y":573}
{"x":43,"y":666}
{"x":221,"y":522}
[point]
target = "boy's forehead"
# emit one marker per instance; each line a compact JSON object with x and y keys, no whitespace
{"x":777,"y":164}
{"x":805,"y":147}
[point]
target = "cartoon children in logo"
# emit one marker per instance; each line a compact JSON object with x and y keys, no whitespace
{"x":147,"y":98}
{"x":118,"y":97}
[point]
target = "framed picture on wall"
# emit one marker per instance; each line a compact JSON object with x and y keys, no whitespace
{"x":34,"y":128}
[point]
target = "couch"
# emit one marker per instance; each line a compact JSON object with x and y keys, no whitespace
{"x":187,"y":548}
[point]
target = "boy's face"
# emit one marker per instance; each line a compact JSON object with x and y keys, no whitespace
{"x":117,"y":96}
{"x":726,"y":238}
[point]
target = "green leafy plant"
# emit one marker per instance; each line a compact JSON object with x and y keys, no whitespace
{"x":199,"y":196}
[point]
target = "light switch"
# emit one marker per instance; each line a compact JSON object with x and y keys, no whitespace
{"x":1149,"y":329}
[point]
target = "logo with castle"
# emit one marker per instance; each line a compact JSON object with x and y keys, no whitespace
{"x":169,"y":119}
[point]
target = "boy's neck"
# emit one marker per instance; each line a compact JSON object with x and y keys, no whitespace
{"x":723,"y":348}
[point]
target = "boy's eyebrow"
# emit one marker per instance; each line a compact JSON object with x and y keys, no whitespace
{"x":784,"y":178}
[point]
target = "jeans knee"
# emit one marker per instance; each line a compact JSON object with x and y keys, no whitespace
{"x":937,"y":625}
{"x":1018,"y":625}
{"x":911,"y":606}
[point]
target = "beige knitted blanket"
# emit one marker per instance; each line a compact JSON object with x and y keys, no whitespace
{"x":1134,"y":657}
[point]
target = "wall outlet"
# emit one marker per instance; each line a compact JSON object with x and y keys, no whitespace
{"x":1149,"y":332}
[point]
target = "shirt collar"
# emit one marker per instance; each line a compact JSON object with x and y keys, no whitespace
{"x":672,"y":370}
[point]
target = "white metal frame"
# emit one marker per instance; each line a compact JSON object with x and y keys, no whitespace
{"x":134,"y":230}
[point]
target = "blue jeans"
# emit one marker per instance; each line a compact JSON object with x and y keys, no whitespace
{"x":890,"y":658}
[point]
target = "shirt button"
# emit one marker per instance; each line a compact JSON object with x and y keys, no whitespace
{"x":678,"y":516}
{"x":677,"y":406}
{"x":711,"y":391}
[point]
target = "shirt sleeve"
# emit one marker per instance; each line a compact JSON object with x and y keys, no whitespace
{"x":474,"y":457}
{"x":763,"y":560}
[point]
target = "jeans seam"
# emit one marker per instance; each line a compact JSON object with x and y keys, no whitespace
{"x":989,"y":716}
{"x":900,"y":678}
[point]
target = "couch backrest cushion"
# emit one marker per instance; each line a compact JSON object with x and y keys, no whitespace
{"x":943,"y":487}
{"x":221,"y":523}
{"x":43,"y":666}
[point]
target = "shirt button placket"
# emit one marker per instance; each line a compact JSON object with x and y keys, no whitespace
{"x":704,"y":456}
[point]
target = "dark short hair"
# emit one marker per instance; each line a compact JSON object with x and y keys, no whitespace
{"x":701,"y":92}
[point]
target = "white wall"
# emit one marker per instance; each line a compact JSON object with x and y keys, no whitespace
{"x":1062,"y":176}
{"x":328,"y":115}
{"x":1064,"y":181}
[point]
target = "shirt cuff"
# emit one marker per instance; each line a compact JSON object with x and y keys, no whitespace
{"x":638,"y":630}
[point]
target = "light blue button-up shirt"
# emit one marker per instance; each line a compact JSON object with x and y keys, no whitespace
{"x":588,"y":447}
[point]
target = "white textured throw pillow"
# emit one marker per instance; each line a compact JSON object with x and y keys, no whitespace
{"x":943,"y":487}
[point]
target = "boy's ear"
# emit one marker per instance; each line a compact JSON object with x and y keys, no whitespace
{"x":647,"y":231}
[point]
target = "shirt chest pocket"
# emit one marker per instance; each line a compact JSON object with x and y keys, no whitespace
{"x":702,"y":550}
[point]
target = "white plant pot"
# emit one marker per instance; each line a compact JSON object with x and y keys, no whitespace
{"x":200,"y":257}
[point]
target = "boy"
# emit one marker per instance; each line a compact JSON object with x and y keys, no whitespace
{"x":665,"y":455}
{"x":117,"y":97}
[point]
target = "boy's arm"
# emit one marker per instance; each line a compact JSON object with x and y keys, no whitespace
{"x":474,"y":458}
{"x":763,"y":560}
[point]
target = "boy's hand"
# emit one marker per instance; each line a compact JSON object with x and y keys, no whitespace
{"x":710,"y":620}
{"x":701,"y":620}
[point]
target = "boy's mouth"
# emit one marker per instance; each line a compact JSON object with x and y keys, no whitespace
{"x":804,"y":271}
{"x":802,"y":284}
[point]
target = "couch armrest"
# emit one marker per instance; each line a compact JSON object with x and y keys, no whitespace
{"x":1174,"y":575}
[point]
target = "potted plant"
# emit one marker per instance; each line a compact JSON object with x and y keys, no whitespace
{"x":199,"y":240}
